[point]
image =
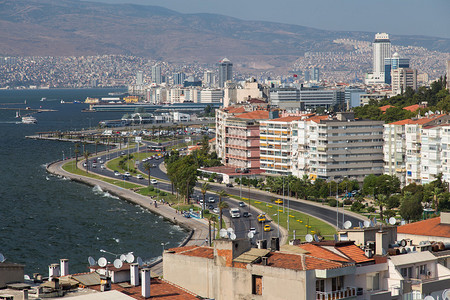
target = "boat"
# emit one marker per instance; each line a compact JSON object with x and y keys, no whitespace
{"x":43,"y":99}
{"x":17,"y":114}
{"x":29,"y":120}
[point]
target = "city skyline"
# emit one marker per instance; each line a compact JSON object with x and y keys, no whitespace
{"x":353,"y":15}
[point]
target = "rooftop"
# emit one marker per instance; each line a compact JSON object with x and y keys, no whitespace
{"x":430,"y":227}
{"x":255,"y":115}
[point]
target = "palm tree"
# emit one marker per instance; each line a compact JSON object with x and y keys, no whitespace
{"x":86,"y":157}
{"x":211,"y":218}
{"x":204,"y":189}
{"x":77,"y":151}
{"x":222,"y":205}
{"x":96,"y":145}
{"x":147,"y":167}
{"x":436,"y":193}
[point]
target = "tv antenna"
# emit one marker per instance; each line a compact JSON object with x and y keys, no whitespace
{"x":347,"y":224}
{"x":309,"y":238}
{"x":102,"y":262}
{"x":91,"y":261}
{"x":118,"y":263}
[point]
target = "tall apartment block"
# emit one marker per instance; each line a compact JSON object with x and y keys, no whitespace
{"x":225,"y":71}
{"x":403,"y":78}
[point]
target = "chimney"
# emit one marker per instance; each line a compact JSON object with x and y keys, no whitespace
{"x":25,"y":294}
{"x":264,"y":260}
{"x":134,"y":274}
{"x":381,"y":242}
{"x":145,"y":274}
{"x":275,"y":244}
{"x":64,"y":263}
{"x":53,"y":271}
{"x":445,"y":217}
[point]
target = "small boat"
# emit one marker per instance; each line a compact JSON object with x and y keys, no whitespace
{"x":29,"y":120}
{"x":43,"y":99}
{"x":17,"y":114}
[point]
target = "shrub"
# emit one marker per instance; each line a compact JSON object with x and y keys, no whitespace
{"x":348,"y":202}
{"x":357,"y":207}
{"x":332,"y":202}
{"x":371,"y":209}
{"x":151,"y":188}
{"x":162,"y":193}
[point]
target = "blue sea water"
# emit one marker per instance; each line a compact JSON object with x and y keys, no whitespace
{"x":44,"y":218}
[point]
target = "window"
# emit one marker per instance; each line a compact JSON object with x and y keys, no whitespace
{"x":373,"y":282}
{"x":337,"y":283}
{"x":320,"y":285}
{"x":406,"y":272}
{"x":256,"y":285}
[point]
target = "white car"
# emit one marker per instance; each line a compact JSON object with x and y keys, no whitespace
{"x":139,"y":176}
{"x":153,"y":181}
{"x":252,"y":229}
{"x":127,"y":174}
{"x":216,"y":210}
{"x":103,"y":167}
{"x":117,"y":173}
{"x":211,"y":200}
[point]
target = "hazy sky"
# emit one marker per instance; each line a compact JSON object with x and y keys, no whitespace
{"x":423,"y":17}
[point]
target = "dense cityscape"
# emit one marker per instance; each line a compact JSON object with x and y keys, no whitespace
{"x":325,"y":179}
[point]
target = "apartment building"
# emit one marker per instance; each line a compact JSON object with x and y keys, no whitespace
{"x":278,"y":143}
{"x":415,"y":150}
{"x":334,"y":148}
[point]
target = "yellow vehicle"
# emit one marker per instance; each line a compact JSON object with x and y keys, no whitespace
{"x":262,"y":218}
{"x":279,"y":201}
{"x":267,"y":227}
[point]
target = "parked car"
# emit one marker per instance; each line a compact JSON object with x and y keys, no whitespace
{"x":210,"y":207}
{"x":153,"y":181}
{"x":211,"y":200}
{"x":216,"y":210}
{"x":139,"y":176}
{"x":117,"y":173}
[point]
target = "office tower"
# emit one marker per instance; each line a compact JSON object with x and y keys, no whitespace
{"x":139,"y":78}
{"x":403,"y":78}
{"x":307,"y":76}
{"x":315,"y":74}
{"x":393,"y":63}
{"x":225,"y":71}
{"x":381,"y":50}
{"x":179,"y":78}
{"x":208,"y":78}
{"x":156,"y":74}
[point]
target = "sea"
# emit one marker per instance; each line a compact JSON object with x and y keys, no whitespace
{"x":44,"y":218}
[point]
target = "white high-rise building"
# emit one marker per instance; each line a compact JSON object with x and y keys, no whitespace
{"x":208,"y":79}
{"x":381,"y":50}
{"x":225,"y":71}
{"x":139,"y":78}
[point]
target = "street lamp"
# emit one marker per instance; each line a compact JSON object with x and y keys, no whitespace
{"x":63,"y":154}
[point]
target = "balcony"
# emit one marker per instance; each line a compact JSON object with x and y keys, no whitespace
{"x":347,"y":293}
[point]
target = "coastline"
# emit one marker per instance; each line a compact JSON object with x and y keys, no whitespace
{"x":197,"y":229}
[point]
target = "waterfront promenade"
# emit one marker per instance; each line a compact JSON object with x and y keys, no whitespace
{"x":198,"y":229}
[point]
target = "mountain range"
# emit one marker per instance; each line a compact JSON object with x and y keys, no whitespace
{"x":71,"y":27}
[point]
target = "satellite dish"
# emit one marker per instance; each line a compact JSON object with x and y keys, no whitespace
{"x":360,"y":225}
{"x":2,"y":258}
{"x":383,"y":252}
{"x":366,"y":224}
{"x":140,"y":262}
{"x":403,"y":243}
{"x":335,"y":237}
{"x":431,"y":298}
{"x":374,"y":221}
{"x":316,"y":238}
{"x":118,"y":263}
{"x":223,"y":233}
{"x":233,"y":236}
{"x":250,"y":235}
{"x":371,"y":223}
{"x":102,"y":262}
{"x":309,"y":238}
{"x":347,"y":224}
{"x":386,"y":221}
{"x":230,"y":230}
{"x":91,"y":261}
{"x":392,"y":221}
{"x":123,"y":257}
{"x":26,"y":277}
{"x":130,"y":258}
{"x":446,"y":294}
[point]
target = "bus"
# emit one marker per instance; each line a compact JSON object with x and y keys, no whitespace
{"x":156,"y":148}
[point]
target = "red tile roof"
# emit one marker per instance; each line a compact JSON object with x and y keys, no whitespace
{"x":159,"y":289}
{"x":256,"y":115}
{"x":197,"y":251}
{"x":412,"y":108}
{"x":421,"y":121}
{"x":288,"y":119}
{"x":320,"y":252}
{"x":430,"y":227}
{"x":314,"y":263}
{"x":235,"y":110}
{"x":317,"y":119}
{"x":384,"y":108}
{"x":355,"y":253}
{"x":300,"y":262}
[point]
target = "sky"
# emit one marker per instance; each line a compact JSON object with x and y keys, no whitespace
{"x":409,"y":17}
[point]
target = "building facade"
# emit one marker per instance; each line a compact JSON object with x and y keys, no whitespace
{"x":156,"y":74}
{"x":381,"y":50}
{"x":225,"y":71}
{"x":403,"y":78}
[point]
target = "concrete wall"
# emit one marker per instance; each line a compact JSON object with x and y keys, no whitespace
{"x":10,"y":273}
{"x":418,"y":238}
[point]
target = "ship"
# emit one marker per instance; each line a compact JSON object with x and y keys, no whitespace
{"x":43,"y":99}
{"x":29,"y":120}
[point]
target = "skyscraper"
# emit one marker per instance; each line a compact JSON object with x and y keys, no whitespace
{"x":208,"y":78}
{"x":156,"y":74}
{"x":381,"y":50}
{"x":139,"y":78}
{"x":225,"y":71}
{"x":178,"y":78}
{"x":393,"y":63}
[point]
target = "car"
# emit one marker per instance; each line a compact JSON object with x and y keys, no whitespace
{"x":94,"y":165}
{"x":84,"y":164}
{"x":94,"y":161}
{"x":216,"y":210}
{"x":100,"y":161}
{"x":267,"y":227}
{"x":103,"y":167}
{"x":279,"y":201}
{"x":139,"y":176}
{"x":116,"y":173}
{"x":246,"y":214}
{"x":235,"y":213}
{"x":211,"y":200}
{"x":127,"y":174}
{"x":154,"y":166}
{"x":210,"y":207}
{"x":229,"y":185}
{"x":241,"y":204}
{"x":252,"y":230}
{"x":124,"y":177}
{"x":122,"y":153}
{"x":262,"y":218}
{"x":154,"y":181}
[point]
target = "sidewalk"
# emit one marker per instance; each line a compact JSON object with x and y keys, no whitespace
{"x":199,"y":227}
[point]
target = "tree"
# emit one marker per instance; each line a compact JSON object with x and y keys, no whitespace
{"x":211,"y":218}
{"x":86,"y":157}
{"x":204,"y":189}
{"x":411,"y":208}
{"x":77,"y":151}
{"x":96,"y":146}
{"x":222,"y":205}
{"x":148,"y":168}
{"x":381,"y":202}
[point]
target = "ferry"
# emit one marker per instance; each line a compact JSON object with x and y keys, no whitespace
{"x":29,"y":120}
